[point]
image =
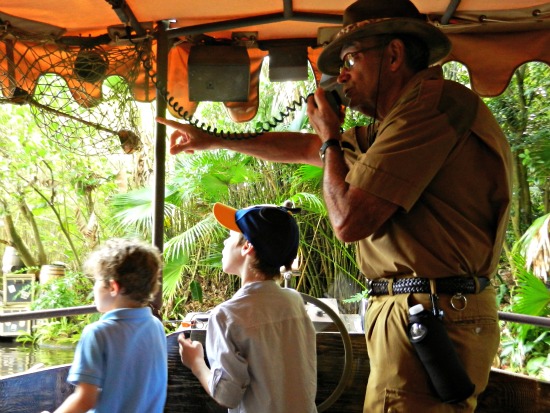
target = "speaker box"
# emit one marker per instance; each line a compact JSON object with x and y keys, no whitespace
{"x":288,"y":63}
{"x":219,"y":74}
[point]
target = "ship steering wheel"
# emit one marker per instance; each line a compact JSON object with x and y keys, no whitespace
{"x":348,"y":351}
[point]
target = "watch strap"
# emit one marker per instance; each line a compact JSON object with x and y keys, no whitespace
{"x":327,"y":144}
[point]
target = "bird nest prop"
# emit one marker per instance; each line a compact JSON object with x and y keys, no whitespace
{"x":81,"y":95}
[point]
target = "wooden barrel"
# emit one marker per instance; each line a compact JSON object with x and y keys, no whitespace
{"x":50,"y":272}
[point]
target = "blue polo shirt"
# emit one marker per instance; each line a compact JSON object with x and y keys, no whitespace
{"x":124,"y":354}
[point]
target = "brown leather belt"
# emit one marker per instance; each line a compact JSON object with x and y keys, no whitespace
{"x":416,"y":285}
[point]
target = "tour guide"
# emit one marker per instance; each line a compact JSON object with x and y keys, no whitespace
{"x":425,"y":192}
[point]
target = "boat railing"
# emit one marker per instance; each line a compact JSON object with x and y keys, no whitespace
{"x":52,"y":313}
{"x":337,"y":390}
{"x":89,"y":309}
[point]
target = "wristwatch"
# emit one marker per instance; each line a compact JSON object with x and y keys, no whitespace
{"x":327,"y":144}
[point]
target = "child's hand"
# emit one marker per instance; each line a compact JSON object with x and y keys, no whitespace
{"x":190,"y":351}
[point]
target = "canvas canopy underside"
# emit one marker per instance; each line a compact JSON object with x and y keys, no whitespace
{"x":491,"y":37}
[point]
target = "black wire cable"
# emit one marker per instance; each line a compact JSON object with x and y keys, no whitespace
{"x":267,"y":126}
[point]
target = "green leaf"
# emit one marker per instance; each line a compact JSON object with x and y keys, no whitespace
{"x":196,"y":291}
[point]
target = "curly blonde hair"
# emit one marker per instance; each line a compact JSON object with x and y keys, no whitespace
{"x":133,"y":264}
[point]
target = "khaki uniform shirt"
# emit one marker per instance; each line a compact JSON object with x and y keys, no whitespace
{"x":442,"y":158}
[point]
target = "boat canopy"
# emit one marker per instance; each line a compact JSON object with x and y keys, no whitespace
{"x":85,"y":41}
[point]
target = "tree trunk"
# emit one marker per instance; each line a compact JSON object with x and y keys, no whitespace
{"x":523,"y":217}
{"x":18,"y":243}
{"x":42,"y":259}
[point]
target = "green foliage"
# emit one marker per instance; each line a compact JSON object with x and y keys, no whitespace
{"x":52,"y":195}
{"x":308,"y":177}
{"x":537,"y":158}
{"x":358,"y":297}
{"x":457,"y":72}
{"x":72,"y":290}
{"x":192,"y":249}
{"x":522,"y":112}
{"x":196,"y":291}
{"x":532,"y":296}
{"x":526,"y":347}
{"x":59,"y":331}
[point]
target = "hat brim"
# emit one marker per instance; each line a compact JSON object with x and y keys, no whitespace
{"x":329,"y":61}
{"x":226,"y":215}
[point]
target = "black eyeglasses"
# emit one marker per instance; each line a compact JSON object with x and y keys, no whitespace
{"x":348,"y":61}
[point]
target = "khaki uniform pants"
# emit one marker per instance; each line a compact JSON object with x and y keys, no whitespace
{"x":397,"y":381}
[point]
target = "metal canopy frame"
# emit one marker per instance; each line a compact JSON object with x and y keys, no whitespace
{"x":166,"y":38}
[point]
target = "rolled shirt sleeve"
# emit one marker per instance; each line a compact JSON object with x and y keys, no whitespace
{"x":230,"y":377}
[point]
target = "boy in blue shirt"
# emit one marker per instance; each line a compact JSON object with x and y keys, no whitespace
{"x":120,"y":363}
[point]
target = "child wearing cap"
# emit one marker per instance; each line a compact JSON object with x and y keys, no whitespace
{"x":120,"y":363}
{"x":261,"y":343}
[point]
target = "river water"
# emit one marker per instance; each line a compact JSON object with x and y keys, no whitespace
{"x":17,"y":358}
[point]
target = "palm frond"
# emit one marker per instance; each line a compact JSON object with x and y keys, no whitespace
{"x":540,"y":156}
{"x":134,"y":210}
{"x":531,"y":296}
{"x":308,"y":176}
{"x":187,"y":242}
{"x":309,"y":202}
{"x":171,"y":276}
{"x":209,"y":175}
{"x":534,"y":245}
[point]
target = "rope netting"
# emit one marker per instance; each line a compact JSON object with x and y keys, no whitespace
{"x":81,"y":97}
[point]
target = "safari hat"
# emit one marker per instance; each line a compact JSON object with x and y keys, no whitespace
{"x":271,"y":229}
{"x":366,"y":18}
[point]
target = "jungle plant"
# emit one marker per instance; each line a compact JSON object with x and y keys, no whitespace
{"x":522,"y":112}
{"x":526,"y":347}
{"x":72,"y":290}
{"x":52,"y":197}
